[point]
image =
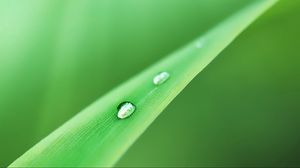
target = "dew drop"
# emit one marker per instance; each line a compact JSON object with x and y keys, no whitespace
{"x":199,"y":44}
{"x":125,"y":109}
{"x":161,"y":78}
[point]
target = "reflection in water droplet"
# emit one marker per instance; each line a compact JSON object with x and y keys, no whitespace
{"x":161,"y":78}
{"x":125,"y":109}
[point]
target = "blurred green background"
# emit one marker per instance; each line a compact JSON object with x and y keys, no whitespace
{"x":58,"y":56}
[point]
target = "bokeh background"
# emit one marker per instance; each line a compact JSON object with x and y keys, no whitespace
{"x":58,"y":56}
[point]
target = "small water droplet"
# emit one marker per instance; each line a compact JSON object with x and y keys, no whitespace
{"x":125,"y":109}
{"x":199,"y":44}
{"x":161,"y":78}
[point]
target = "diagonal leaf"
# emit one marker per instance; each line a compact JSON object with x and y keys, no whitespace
{"x":96,"y":137}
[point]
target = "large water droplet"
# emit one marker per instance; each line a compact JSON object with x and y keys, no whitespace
{"x":161,"y":78}
{"x":125,"y":109}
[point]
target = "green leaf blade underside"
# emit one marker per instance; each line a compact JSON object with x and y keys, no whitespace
{"x":96,"y":137}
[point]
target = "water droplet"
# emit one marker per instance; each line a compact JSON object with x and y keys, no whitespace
{"x":125,"y":109}
{"x":199,"y":44}
{"x":161,"y":78}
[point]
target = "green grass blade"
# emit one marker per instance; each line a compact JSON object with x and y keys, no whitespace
{"x":96,"y":137}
